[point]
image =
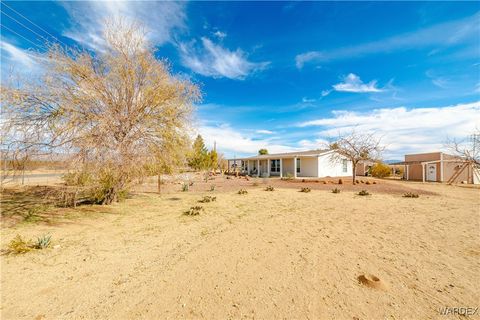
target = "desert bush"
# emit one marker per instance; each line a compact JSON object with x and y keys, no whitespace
{"x":185,"y":187}
{"x":194,"y":211}
{"x":411,"y":195}
{"x":255,"y":184}
{"x":43,"y":242}
{"x":206,"y":199}
{"x":357,"y":181}
{"x":269,"y":188}
{"x":363,"y":193}
{"x":368,"y":182}
{"x":336,"y":190}
{"x":380,"y":170}
{"x":306,"y":189}
{"x":78,"y":178}
{"x":324,"y":182}
{"x":340,"y":181}
{"x":374,"y":182}
{"x":288,"y":176}
{"x":19,"y":245}
{"x":212,"y":188}
{"x":242,"y":191}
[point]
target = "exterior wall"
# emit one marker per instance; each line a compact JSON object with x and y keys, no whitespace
{"x":308,"y":167}
{"x":329,"y":167}
{"x":451,"y":168}
{"x":287,"y":167}
{"x":423,"y":157}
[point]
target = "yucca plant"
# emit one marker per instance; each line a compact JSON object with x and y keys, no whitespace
{"x":185,"y":187}
{"x":336,"y":190}
{"x":194,"y":211}
{"x":411,"y":195}
{"x":269,"y":188}
{"x":43,"y":242}
{"x":242,"y":191}
{"x":363,"y":193}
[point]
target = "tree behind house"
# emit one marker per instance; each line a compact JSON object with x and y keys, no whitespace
{"x":356,"y":147}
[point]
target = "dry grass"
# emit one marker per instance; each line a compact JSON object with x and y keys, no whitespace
{"x":266,"y":255}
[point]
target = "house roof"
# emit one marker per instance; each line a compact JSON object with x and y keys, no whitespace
{"x":309,"y":153}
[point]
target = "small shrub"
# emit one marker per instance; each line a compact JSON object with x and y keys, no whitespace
{"x":374,"y":182}
{"x":212,"y":188}
{"x":303,"y":180}
{"x":357,"y":181}
{"x":361,"y":181}
{"x":190,"y":183}
{"x":43,"y":242}
{"x":411,"y":195}
{"x":269,"y":188}
{"x":363,"y":193}
{"x":340,"y":181}
{"x":306,"y":189}
{"x":18,"y":245}
{"x":194,"y":211}
{"x":368,"y":182}
{"x":185,"y":187}
{"x":242,"y":191}
{"x":324,"y":182}
{"x":336,"y":190}
{"x":207,"y":199}
{"x":255,"y":184}
{"x":380,"y":170}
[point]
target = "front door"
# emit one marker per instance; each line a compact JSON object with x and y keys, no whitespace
{"x":432,"y":172}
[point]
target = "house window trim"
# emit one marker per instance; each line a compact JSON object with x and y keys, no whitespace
{"x":275,"y":165}
{"x":298,"y":165}
{"x":344,"y":165}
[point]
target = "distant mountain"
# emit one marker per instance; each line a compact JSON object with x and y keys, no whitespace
{"x":392,"y":161}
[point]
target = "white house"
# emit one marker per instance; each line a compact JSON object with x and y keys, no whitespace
{"x":300,"y":164}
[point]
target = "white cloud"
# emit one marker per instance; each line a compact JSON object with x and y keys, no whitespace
{"x":233,"y":142}
{"x":303,"y":58}
{"x":219,"y":34}
{"x":405,"y":130}
{"x":161,"y":19}
{"x":16,"y":60}
{"x":442,"y":35}
{"x":264,"y":132}
{"x":307,"y":100}
{"x":325,"y":92}
{"x":212,"y":60}
{"x":353,"y":83}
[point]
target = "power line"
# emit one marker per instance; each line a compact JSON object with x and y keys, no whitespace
{"x":18,"y":34}
{"x":23,"y":25}
{"x":33,"y":23}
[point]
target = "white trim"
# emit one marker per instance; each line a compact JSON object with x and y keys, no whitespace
{"x":295,"y":167}
{"x":281,"y":167}
{"x":441,"y":167}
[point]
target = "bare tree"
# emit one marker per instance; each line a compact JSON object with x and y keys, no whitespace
{"x":356,"y":147}
{"x":113,"y":111}
{"x":468,"y":149}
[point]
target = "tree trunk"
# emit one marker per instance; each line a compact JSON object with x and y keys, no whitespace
{"x":159,"y":183}
{"x":354,"y":173}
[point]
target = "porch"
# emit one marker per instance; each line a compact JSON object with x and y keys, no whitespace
{"x":295,"y":167}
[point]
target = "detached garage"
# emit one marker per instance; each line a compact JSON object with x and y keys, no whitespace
{"x":439,"y":167}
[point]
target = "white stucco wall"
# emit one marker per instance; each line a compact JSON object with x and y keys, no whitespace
{"x":308,"y":167}
{"x":329,"y":167}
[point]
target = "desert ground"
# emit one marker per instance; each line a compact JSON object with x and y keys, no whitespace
{"x":279,"y":254}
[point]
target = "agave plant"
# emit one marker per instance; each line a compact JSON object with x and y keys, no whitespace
{"x":43,"y":241}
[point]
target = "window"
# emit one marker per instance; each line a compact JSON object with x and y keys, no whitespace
{"x":275,"y":165}
{"x":298,"y":165}
{"x":345,"y":165}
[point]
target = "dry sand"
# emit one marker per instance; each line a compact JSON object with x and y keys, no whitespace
{"x":265,"y":255}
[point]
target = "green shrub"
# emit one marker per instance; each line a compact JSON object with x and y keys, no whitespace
{"x":336,"y":190}
{"x":380,"y":170}
{"x":212,"y":188}
{"x":206,"y":199}
{"x":242,"y":191}
{"x":43,"y":242}
{"x":269,"y":188}
{"x":411,"y":195}
{"x":185,"y":187}
{"x":194,"y":211}
{"x":363,"y":193}
{"x":306,"y":190}
{"x":288,"y":176}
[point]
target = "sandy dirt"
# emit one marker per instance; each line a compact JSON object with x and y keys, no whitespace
{"x":264,"y":255}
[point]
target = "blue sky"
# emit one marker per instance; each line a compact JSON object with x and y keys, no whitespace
{"x":291,"y":75}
